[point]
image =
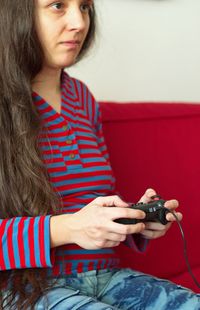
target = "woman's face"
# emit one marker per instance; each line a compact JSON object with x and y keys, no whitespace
{"x":62,"y":27}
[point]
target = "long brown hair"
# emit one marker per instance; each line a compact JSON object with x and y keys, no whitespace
{"x":25,"y":189}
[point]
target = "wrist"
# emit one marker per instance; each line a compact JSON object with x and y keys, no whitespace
{"x":59,"y":230}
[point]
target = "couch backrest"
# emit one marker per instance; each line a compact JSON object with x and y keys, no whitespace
{"x":158,"y":145}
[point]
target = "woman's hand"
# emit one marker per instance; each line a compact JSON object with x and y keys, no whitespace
{"x":93,"y":227}
{"x":155,"y":230}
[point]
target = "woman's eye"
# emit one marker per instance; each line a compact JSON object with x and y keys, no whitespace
{"x":57,"y":5}
{"x":86,"y":7}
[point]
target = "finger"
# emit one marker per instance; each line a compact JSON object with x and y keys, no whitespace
{"x":151,"y":234}
{"x":170,"y":217}
{"x":171,"y":204}
{"x":109,"y":201}
{"x":107,"y":244}
{"x":155,"y":226}
{"x":116,"y":237}
{"x":127,"y":229}
{"x":117,"y":213}
{"x":147,"y":195}
{"x":112,"y":244}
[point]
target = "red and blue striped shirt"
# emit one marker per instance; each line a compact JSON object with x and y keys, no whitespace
{"x":76,"y":158}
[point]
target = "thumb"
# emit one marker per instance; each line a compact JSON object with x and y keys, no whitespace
{"x":147,"y":195}
{"x":110,"y":201}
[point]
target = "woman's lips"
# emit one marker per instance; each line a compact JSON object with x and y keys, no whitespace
{"x":71,"y":43}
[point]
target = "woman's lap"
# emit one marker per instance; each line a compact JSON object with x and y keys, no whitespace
{"x":120,"y":289}
{"x":68,"y":299}
{"x":139,"y":291}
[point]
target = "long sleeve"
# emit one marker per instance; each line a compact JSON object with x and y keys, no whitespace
{"x":137,"y":242}
{"x":25,"y":243}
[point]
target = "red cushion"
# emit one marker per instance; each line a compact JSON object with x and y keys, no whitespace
{"x":157,"y":145}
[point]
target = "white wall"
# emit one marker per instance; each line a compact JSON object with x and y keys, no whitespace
{"x":146,"y":50}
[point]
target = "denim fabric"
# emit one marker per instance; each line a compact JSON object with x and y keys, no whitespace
{"x":117,"y":289}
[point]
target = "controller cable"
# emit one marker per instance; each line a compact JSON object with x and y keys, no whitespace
{"x":185,"y":250}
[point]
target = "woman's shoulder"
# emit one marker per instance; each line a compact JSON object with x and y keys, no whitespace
{"x":79,"y":88}
{"x":81,"y":94}
{"x":74,"y":82}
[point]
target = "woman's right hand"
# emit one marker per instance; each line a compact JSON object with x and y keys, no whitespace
{"x":93,"y":227}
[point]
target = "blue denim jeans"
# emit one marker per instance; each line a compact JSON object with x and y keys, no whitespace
{"x":123,"y":289}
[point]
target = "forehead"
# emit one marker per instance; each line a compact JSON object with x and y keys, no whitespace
{"x":48,"y":2}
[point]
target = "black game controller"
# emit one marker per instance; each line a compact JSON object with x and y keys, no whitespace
{"x":154,"y":210}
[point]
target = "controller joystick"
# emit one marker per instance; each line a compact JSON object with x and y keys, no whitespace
{"x":154,"y":210}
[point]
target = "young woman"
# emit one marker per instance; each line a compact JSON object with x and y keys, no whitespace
{"x":57,"y":229}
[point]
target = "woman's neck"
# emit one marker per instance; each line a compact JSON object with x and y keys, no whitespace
{"x":47,"y":84}
{"x":47,"y":81}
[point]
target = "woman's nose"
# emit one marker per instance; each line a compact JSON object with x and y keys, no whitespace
{"x":76,"y":20}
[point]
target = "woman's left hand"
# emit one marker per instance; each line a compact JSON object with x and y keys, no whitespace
{"x":154,"y":230}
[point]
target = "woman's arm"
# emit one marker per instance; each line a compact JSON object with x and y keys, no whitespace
{"x":25,"y":242}
{"x":93,"y":227}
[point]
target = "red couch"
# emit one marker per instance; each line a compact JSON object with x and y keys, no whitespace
{"x":158,"y":145}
